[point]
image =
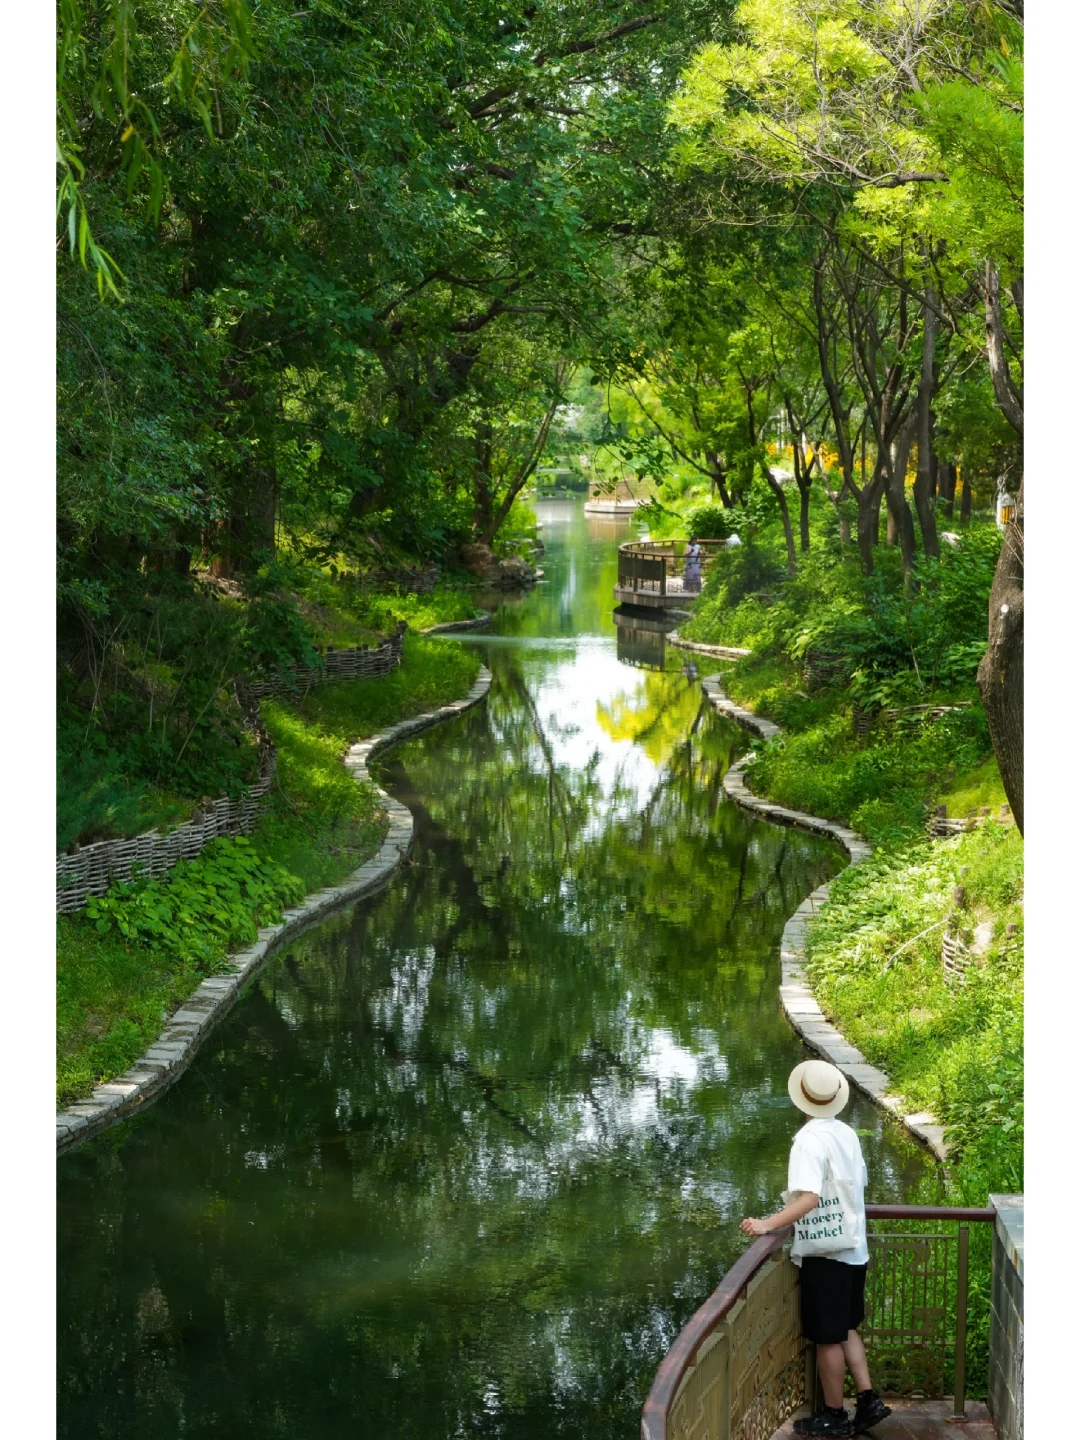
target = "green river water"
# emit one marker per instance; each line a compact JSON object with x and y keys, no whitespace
{"x":466,"y":1156}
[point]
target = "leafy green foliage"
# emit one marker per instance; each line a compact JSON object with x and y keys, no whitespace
{"x":881,"y":788}
{"x":274,"y":633}
{"x":204,"y":906}
{"x":709,"y":522}
{"x":96,"y":796}
{"x":141,"y":948}
{"x":891,"y":642}
{"x":138,"y":950}
{"x":875,"y":963}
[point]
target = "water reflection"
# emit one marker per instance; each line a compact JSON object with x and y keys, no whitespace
{"x":466,"y":1157}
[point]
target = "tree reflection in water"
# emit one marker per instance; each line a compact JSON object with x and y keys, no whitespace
{"x":466,"y":1157}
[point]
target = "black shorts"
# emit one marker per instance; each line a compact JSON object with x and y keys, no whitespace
{"x":832,"y":1298}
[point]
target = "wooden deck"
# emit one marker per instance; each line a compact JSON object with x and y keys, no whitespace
{"x":921,"y":1420}
{"x":675,"y":598}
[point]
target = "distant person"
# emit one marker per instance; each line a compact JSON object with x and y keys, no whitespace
{"x":826,"y":1158}
{"x":692,"y":566}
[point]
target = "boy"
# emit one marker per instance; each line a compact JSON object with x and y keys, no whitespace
{"x":832,"y":1286}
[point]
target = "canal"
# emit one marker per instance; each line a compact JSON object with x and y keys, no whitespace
{"x":467,"y":1156}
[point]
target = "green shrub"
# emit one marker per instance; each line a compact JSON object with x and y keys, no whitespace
{"x":203,"y":907}
{"x":124,"y":964}
{"x":709,"y":522}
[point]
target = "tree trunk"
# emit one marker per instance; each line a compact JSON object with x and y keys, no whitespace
{"x":260,"y":523}
{"x":1001,"y":671}
{"x":802,"y":480}
{"x":483,"y":498}
{"x":718,"y":477}
{"x":924,"y":482}
{"x":524,"y":470}
{"x":946,"y":487}
{"x":895,"y":498}
{"x":965,"y":499}
{"x":781,"y":500}
{"x":840,"y":413}
{"x":1009,"y":397}
{"x":869,"y":517}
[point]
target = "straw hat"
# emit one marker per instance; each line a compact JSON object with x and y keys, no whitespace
{"x":818,"y":1089}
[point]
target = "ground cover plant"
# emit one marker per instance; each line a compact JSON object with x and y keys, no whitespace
{"x":141,"y":947}
{"x":320,"y":824}
{"x":955,"y":1049}
{"x":126,"y":962}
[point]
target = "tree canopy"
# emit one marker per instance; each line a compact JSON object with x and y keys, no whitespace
{"x":328,"y":275}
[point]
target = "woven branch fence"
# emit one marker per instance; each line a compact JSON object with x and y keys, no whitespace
{"x":90,"y":869}
{"x":939,"y":826}
{"x":357,"y":664}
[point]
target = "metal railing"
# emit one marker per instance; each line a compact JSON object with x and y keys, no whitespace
{"x":740,"y":1365}
{"x":652,"y":565}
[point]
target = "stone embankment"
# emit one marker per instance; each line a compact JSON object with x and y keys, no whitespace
{"x":174,"y":1049}
{"x":450,"y":627}
{"x":719,"y":652}
{"x":802,"y":1010}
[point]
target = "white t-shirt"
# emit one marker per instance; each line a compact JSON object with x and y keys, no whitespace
{"x":817,"y":1142}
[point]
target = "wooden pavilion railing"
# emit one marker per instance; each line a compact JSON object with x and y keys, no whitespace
{"x":740,"y":1366}
{"x":650,"y":564}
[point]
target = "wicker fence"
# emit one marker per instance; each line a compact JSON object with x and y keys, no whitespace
{"x":360,"y":663}
{"x":90,"y":869}
{"x":939,"y":825}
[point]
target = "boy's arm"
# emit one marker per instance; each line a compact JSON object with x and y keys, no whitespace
{"x":803,"y":1203}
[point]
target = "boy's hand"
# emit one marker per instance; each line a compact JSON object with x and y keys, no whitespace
{"x":753,"y":1227}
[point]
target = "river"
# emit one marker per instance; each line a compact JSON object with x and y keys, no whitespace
{"x":466,"y":1156}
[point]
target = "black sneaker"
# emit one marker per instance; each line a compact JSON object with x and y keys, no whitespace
{"x":870,"y":1409}
{"x":825,"y":1422}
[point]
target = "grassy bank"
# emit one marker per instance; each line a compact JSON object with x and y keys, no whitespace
{"x":874,"y":950}
{"x":129,"y":960}
{"x":148,"y":729}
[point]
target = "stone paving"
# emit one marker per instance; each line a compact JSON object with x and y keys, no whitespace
{"x":720,"y":652}
{"x":184,"y":1032}
{"x":800,"y":1006}
{"x":921,"y":1420}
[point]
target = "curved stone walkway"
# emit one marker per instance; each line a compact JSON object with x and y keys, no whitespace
{"x":174,"y":1049}
{"x":800,"y":1007}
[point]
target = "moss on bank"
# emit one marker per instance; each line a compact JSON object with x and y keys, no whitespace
{"x":114,"y":990}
